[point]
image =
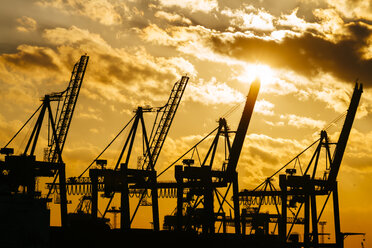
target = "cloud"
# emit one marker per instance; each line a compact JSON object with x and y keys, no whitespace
{"x":275,"y":124}
{"x":194,"y":5}
{"x":212,"y":92}
{"x":264,"y":107}
{"x":308,"y":66}
{"x":308,"y":55}
{"x":262,"y":155}
{"x":26,"y":24}
{"x":192,"y":40}
{"x":296,"y":23}
{"x":172,"y":17}
{"x":333,"y":46}
{"x":249,"y":18}
{"x":91,"y":114}
{"x":302,"y":121}
{"x":361,"y":9}
{"x":112,"y":72}
{"x":103,"y":11}
{"x":94,"y":130}
{"x":31,"y":57}
{"x":31,"y":71}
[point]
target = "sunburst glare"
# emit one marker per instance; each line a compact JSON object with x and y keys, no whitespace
{"x":257,"y":71}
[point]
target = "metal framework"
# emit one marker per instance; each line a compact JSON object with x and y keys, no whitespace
{"x":204,"y":181}
{"x":23,"y":170}
{"x":304,"y":190}
{"x":123,"y":179}
{"x":65,"y":116}
{"x":168,"y":112}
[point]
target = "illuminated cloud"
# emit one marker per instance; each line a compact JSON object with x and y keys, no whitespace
{"x":358,"y":9}
{"x":116,"y":71}
{"x":26,"y":24}
{"x":130,"y":76}
{"x":193,"y":40}
{"x":294,"y":22}
{"x":334,"y":47}
{"x":194,"y":5}
{"x":264,"y":107}
{"x":308,"y":55}
{"x":303,"y":122}
{"x":249,"y":18}
{"x":331,"y":25}
{"x":212,"y":92}
{"x":172,"y":17}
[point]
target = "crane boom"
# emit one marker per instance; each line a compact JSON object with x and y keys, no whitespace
{"x":345,"y":132}
{"x":68,"y":107}
{"x":237,"y":145}
{"x":165,"y":122}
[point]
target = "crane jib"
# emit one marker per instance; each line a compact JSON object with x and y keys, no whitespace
{"x":242,"y":128}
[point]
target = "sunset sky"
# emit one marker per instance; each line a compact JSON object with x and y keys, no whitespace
{"x":307,"y":54}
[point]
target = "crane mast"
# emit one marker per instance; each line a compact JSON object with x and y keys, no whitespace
{"x":68,"y":107}
{"x":165,"y":122}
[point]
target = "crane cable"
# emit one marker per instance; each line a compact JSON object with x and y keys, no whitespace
{"x":225,"y":115}
{"x":331,"y":124}
{"x":327,"y":127}
{"x":23,"y":126}
{"x":112,"y":141}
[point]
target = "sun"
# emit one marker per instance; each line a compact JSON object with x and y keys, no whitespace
{"x":262,"y":72}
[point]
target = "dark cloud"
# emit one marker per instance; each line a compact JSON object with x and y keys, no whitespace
{"x":308,"y":54}
{"x":129,"y":71}
{"x":31,"y":57}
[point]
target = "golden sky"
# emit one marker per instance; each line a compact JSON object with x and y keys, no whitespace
{"x":307,"y":53}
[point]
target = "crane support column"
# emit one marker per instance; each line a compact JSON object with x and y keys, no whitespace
{"x":124,"y":198}
{"x":94,"y":181}
{"x":314,"y":220}
{"x":209,"y":220}
{"x":336,"y":212}
{"x":307,"y":222}
{"x":283,"y":219}
{"x":236,"y":203}
{"x":154,"y":199}
{"x":179,"y":179}
{"x":63,"y":194}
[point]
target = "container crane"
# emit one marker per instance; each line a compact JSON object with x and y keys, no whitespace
{"x":203,"y":181}
{"x":107,"y":180}
{"x":19,"y":172}
{"x":303,"y":190}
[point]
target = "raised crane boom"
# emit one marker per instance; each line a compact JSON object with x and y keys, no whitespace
{"x":165,"y":122}
{"x":68,"y":107}
{"x":345,"y":132}
{"x":237,"y":145}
